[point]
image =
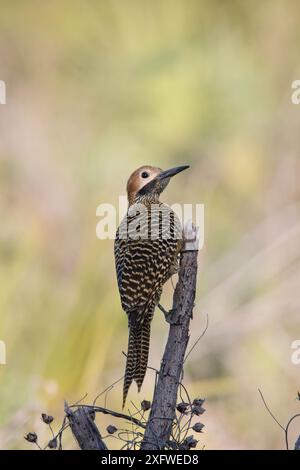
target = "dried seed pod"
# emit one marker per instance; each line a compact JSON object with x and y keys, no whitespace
{"x":198,"y":401}
{"x":198,"y":410}
{"x":182,"y":407}
{"x":53,"y":443}
{"x":188,"y":443}
{"x":31,"y":437}
{"x":47,"y":418}
{"x":198,"y":427}
{"x":111,"y":429}
{"x":146,"y":405}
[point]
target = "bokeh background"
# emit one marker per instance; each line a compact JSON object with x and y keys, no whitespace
{"x":95,"y":89}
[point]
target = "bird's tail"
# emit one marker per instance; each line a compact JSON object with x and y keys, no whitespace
{"x":130,"y":362}
{"x":137,"y":354}
{"x":142,"y":354}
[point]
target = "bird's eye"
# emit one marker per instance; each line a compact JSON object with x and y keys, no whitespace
{"x":145,"y":174}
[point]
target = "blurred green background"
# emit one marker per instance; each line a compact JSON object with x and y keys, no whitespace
{"x":94,"y":90}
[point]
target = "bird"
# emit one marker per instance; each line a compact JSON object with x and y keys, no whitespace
{"x":147,"y":244}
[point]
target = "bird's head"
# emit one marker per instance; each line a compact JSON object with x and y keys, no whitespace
{"x":148,"y":182}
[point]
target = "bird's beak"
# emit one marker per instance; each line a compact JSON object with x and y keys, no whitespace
{"x":172,"y":172}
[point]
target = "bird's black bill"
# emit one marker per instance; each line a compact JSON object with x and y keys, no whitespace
{"x":172,"y":172}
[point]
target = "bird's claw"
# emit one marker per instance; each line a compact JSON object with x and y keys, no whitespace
{"x":169,"y":314}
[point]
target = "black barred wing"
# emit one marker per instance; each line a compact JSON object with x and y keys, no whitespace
{"x":146,"y":248}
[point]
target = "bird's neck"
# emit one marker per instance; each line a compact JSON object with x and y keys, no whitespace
{"x":147,"y":200}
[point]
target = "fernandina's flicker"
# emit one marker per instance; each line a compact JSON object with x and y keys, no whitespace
{"x":147,"y":244}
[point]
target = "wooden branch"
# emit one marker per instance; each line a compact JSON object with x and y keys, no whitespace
{"x":116,"y":414}
{"x":162,"y":415}
{"x":84,"y":429}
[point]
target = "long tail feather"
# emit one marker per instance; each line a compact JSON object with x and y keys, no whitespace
{"x":130,"y":363}
{"x":138,"y":350}
{"x":142,"y":358}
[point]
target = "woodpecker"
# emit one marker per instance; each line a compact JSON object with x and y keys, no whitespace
{"x":147,"y":245}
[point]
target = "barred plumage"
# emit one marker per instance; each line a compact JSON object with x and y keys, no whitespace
{"x":147,"y":244}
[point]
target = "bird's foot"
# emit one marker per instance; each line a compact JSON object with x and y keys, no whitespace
{"x":169,"y":314}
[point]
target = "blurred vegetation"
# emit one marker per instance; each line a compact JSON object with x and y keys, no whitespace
{"x":95,"y":89}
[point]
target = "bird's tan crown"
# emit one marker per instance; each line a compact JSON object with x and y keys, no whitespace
{"x":139,"y":178}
